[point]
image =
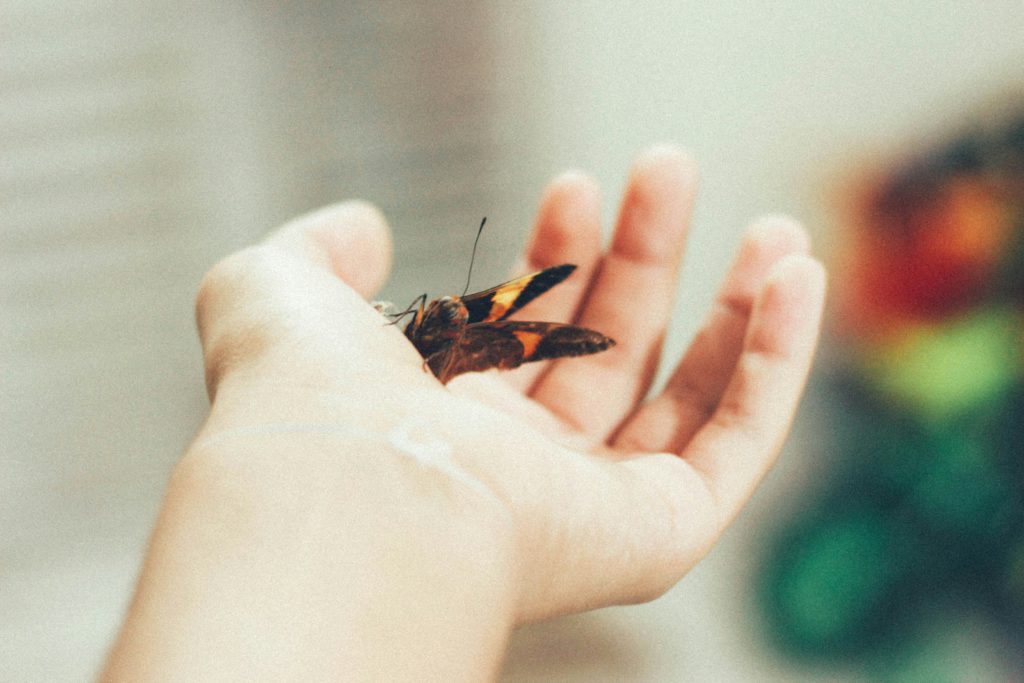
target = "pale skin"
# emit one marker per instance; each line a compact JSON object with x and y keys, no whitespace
{"x":297,"y":542}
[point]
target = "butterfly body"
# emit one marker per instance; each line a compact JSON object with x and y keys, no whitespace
{"x":471,"y":333}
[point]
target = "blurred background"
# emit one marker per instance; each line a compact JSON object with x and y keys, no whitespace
{"x":141,"y":141}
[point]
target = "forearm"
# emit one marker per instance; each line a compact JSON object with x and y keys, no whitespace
{"x":271,"y":561}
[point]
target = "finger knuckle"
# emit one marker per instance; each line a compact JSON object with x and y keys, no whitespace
{"x":226,"y":279}
{"x":228,"y":330}
{"x":360,"y":209}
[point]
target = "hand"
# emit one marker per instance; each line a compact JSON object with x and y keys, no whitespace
{"x":562,"y":483}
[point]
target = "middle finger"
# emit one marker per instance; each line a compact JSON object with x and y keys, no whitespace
{"x":630,"y":298}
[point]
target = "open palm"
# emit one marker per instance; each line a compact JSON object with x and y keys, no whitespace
{"x":611,"y":495}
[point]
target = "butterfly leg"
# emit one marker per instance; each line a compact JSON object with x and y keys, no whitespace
{"x":416,"y":305}
{"x":437,"y":363}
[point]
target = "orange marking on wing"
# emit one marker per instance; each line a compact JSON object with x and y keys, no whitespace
{"x":504,"y":297}
{"x":529,"y":340}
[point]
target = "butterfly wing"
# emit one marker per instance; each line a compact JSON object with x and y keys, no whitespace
{"x":510,"y":343}
{"x":498,"y":303}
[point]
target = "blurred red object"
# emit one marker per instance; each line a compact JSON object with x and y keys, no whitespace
{"x":922,"y":252}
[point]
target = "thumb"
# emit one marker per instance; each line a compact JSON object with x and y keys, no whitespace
{"x":294,"y":291}
{"x":349,"y":239}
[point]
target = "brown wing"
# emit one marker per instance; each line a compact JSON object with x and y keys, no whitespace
{"x":509,"y":344}
{"x":498,"y":303}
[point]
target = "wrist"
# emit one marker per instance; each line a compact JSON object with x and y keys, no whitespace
{"x":329,"y":546}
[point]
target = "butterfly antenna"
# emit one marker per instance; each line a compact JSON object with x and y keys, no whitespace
{"x":473,"y":257}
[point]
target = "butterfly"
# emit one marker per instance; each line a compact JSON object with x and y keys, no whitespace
{"x":471,"y":333}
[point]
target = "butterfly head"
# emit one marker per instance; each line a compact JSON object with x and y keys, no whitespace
{"x":448,"y":314}
{"x":438,"y":325}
